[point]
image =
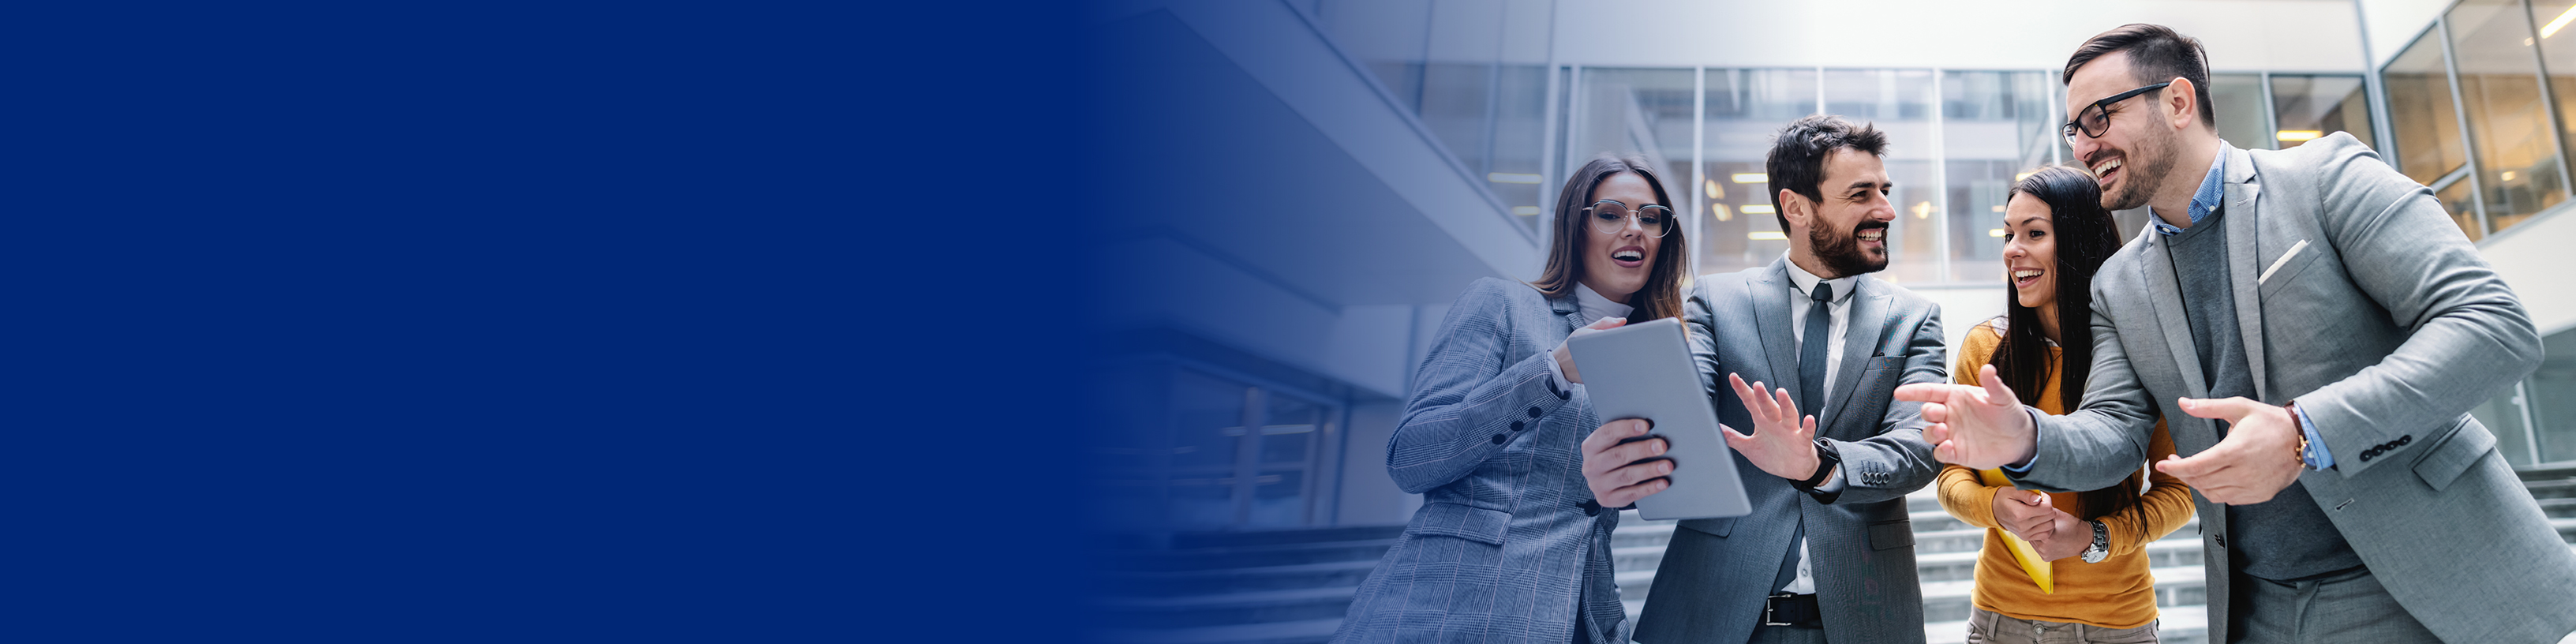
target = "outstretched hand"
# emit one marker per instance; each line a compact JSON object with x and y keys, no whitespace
{"x":1981,"y":427}
{"x":1782,"y":443}
{"x":2259,"y":457}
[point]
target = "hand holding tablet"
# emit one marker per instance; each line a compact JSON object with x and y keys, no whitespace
{"x":1661,"y":447}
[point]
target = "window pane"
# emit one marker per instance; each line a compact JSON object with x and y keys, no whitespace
{"x":2508,"y":124}
{"x":2558,"y":55}
{"x":1994,"y":126}
{"x":2306,"y":107}
{"x":1638,"y":111}
{"x":1745,"y":108}
{"x":2455,"y":200}
{"x":2421,"y":114}
{"x":2237,"y":100}
{"x":2502,"y":414}
{"x":1899,"y":102}
{"x":2553,"y":398}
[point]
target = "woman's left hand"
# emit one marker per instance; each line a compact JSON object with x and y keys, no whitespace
{"x":2072,"y":537}
{"x":1565,"y":358}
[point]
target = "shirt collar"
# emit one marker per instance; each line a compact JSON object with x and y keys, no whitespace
{"x":1805,"y":282}
{"x":1594,"y":306}
{"x":2207,"y":199}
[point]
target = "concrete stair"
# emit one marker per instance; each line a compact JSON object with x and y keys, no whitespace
{"x":1293,"y":586}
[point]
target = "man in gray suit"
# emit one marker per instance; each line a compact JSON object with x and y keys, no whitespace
{"x":1827,"y":553}
{"x":2315,"y":330}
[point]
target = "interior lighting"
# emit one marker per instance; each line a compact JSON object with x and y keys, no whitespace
{"x":1923,"y":210}
{"x":2508,"y":175}
{"x":1715,"y":192}
{"x":2018,"y":177}
{"x":1760,"y":210}
{"x":1996,"y":232}
{"x":1525,"y":211}
{"x":1999,"y":207}
{"x":2560,"y":23}
{"x":1511,"y":177}
{"x":2298,"y":135}
{"x":1751,"y":177}
{"x":1719,"y":209}
{"x":1767,"y":235}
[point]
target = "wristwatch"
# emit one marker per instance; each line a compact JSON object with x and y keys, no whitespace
{"x":2101,"y":548}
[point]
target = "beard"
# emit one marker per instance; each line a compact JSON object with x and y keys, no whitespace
{"x":2147,"y":171}
{"x":1842,"y":253}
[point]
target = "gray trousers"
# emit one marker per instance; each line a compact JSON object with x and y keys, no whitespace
{"x":2351,"y":607}
{"x":1986,"y":627}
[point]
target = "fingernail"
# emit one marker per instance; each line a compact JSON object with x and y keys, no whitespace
{"x":1666,"y":468}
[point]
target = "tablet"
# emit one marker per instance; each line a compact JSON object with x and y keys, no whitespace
{"x":1644,"y":370}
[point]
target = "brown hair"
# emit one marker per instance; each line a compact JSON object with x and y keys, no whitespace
{"x":1662,"y":295}
{"x":2157,"y":54}
{"x":2086,"y":236}
{"x":1797,"y":160}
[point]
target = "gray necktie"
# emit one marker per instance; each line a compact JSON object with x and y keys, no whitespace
{"x":1811,"y":351}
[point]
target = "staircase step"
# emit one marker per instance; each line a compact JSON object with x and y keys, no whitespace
{"x":2557,"y":489}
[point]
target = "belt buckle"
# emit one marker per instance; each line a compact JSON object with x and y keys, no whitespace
{"x":1768,"y":603}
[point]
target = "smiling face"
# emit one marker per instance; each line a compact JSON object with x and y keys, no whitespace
{"x":1617,"y":265}
{"x":2137,"y":152}
{"x":1846,"y":233}
{"x":2030,"y":251}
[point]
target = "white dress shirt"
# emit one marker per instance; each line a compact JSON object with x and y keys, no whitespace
{"x":1801,"y":283}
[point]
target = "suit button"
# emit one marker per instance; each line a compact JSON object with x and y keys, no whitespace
{"x":1590,"y":508}
{"x":1516,"y":425}
{"x":2221,"y":539}
{"x":1498,"y":439}
{"x":1533,"y":412}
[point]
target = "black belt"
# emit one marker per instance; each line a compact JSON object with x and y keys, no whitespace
{"x":1797,"y":611}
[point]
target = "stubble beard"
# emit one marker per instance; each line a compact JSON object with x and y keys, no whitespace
{"x":1842,"y":253}
{"x":2147,"y":172}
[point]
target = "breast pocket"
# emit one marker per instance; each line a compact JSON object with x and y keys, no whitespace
{"x":2286,"y":268}
{"x":1461,"y":521}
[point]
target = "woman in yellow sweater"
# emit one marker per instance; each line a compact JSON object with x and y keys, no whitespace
{"x":2087,"y":578}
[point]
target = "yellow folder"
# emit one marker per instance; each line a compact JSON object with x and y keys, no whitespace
{"x":2022,"y":551}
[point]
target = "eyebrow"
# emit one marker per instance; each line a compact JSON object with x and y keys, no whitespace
{"x":1865,"y":185}
{"x":2026,"y":219}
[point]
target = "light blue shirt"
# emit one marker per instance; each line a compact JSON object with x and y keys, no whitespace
{"x":2204,"y":201}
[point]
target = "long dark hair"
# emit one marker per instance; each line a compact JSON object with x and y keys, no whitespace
{"x":1662,"y":295}
{"x":2085,"y":237}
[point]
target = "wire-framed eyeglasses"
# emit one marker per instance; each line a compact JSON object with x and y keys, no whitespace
{"x":1609,"y":217}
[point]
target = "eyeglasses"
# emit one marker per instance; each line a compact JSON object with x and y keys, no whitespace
{"x":2096,"y":118}
{"x":1609,"y":217}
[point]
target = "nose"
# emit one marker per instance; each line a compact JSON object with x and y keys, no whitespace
{"x":2013,"y":249}
{"x":2084,"y":146}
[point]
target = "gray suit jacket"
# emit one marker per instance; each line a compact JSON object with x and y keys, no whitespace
{"x":1509,"y":539}
{"x":2360,"y":299}
{"x":1716,"y":572}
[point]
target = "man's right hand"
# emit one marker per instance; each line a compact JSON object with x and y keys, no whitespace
{"x":1612,"y":470}
{"x":1978,"y":427}
{"x":2025,"y":513}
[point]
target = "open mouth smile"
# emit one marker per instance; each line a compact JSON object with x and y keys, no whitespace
{"x":1629,"y":256}
{"x":2024,"y":278}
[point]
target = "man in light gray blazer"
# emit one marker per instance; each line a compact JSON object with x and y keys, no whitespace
{"x":2314,"y":329}
{"x":1827,"y":553}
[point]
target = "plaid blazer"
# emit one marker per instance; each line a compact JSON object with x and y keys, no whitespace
{"x":1509,"y":543}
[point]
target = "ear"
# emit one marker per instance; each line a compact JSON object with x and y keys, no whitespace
{"x":1796,"y":208}
{"x":2180,"y":103}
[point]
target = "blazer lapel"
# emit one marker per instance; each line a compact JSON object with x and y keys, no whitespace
{"x":1860,"y":339}
{"x":2164,"y":297}
{"x":2244,"y":234}
{"x":1771,"y":328}
{"x":1567,"y":310}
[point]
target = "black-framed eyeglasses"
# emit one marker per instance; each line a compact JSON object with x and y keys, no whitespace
{"x":2096,"y":118}
{"x":1609,"y":217}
